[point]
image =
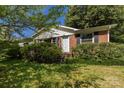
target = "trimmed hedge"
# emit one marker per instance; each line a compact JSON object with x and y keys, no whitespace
{"x":99,"y":51}
{"x":42,"y":52}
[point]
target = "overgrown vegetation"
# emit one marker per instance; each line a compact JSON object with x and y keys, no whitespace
{"x":9,"y":50}
{"x":86,"y":16}
{"x":42,"y":52}
{"x":99,"y":52}
{"x":16,"y":73}
{"x":94,"y":65}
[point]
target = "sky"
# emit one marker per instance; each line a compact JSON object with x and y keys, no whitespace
{"x":29,"y":33}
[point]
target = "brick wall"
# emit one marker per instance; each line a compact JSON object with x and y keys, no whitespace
{"x":103,"y":36}
{"x":73,"y":41}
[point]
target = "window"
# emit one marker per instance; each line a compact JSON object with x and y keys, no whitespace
{"x":86,"y":38}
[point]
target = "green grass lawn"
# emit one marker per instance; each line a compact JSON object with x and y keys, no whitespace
{"x":17,"y":73}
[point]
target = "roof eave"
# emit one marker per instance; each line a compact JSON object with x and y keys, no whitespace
{"x":95,"y":29}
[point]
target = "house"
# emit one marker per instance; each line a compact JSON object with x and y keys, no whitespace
{"x":24,"y":41}
{"x":68,"y":37}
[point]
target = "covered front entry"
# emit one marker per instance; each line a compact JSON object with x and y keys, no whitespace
{"x":65,"y":44}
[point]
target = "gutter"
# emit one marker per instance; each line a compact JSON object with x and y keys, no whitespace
{"x":95,"y":29}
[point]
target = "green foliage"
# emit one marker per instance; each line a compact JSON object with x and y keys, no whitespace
{"x":99,"y":52}
{"x":73,"y":60}
{"x":42,"y":52}
{"x":4,"y":45}
{"x":14,"y":51}
{"x":3,"y":56}
{"x":3,"y":48}
{"x":90,"y":16}
{"x":19,"y":74}
{"x":16,"y":73}
{"x":9,"y":50}
{"x":108,"y":62}
{"x":15,"y":19}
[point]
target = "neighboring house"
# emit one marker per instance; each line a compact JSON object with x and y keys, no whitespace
{"x":68,"y":37}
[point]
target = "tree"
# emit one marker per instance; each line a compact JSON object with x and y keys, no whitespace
{"x":18,"y":18}
{"x":90,"y":16}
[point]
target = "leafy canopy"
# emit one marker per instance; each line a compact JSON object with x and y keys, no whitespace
{"x":18,"y":18}
{"x":90,"y":16}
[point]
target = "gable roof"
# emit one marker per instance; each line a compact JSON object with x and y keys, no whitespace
{"x":67,"y":28}
{"x":53,"y":33}
{"x":64,"y":30}
{"x":60,"y":28}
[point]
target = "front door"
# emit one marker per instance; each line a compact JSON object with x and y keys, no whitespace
{"x":65,"y":44}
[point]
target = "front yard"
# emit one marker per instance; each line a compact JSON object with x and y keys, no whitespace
{"x":16,"y":73}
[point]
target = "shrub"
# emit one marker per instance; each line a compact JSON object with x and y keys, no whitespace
{"x":3,"y":56}
{"x":9,"y":50}
{"x":42,"y":52}
{"x":71,"y":60}
{"x":14,"y":51}
{"x":99,"y":51}
{"x":3,"y":47}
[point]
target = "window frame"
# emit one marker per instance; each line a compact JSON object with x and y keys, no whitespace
{"x":85,"y":37}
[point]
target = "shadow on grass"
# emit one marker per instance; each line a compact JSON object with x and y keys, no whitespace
{"x":67,"y":68}
{"x":14,"y":73}
{"x":110,"y":62}
{"x":19,"y":65}
{"x":89,"y":81}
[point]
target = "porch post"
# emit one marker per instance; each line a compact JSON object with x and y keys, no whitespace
{"x":59,"y":42}
{"x":108,"y":36}
{"x":92,"y":37}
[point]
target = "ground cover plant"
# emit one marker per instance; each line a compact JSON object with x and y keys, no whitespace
{"x":84,"y":70}
{"x":17,"y":73}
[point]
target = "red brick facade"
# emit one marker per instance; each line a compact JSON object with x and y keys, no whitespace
{"x":103,"y":36}
{"x":73,"y":41}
